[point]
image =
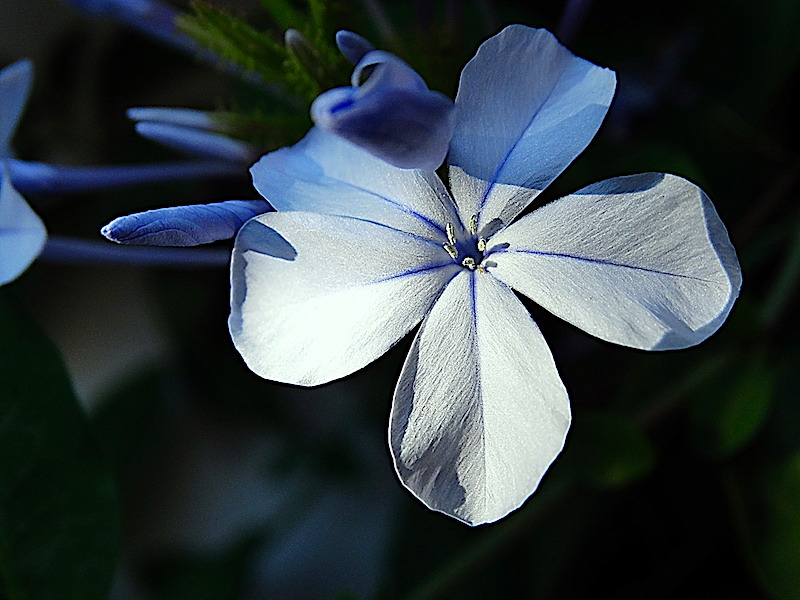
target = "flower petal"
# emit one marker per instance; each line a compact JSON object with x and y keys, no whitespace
{"x":392,"y":115}
{"x":184,"y":225}
{"x":22,"y":233}
{"x":326,"y":174}
{"x":643,"y":261}
{"x":526,"y":107}
{"x":317,"y":297}
{"x":15,"y":87}
{"x":479,"y":412}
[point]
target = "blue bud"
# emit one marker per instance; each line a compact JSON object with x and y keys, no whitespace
{"x":184,"y":225}
{"x":392,"y":114}
{"x":352,"y":45}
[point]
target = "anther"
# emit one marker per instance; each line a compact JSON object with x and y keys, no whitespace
{"x":451,"y":250}
{"x":481,"y":244}
{"x":451,"y":234}
{"x":473,"y":224}
{"x":468,"y":262}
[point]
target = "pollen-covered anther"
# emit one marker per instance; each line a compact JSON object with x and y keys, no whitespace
{"x":481,"y":244}
{"x":469,"y":262}
{"x":451,"y":234}
{"x":473,"y":224}
{"x":451,"y":250}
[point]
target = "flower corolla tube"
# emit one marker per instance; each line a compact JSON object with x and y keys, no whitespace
{"x":360,"y":252}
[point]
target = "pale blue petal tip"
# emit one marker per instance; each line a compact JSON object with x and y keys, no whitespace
{"x":352,"y":46}
{"x":16,"y":81}
{"x":22,"y":233}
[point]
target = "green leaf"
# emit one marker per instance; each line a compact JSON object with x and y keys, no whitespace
{"x":608,"y":450}
{"x":768,"y":507}
{"x":59,"y":523}
{"x":234,"y":40}
{"x":734,"y":413}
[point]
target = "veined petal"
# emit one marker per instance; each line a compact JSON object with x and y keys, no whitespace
{"x":480,"y":411}
{"x":393,"y":115}
{"x":643,"y":261}
{"x":22,"y":233}
{"x":15,"y":87}
{"x":184,"y":225}
{"x":526,"y":107}
{"x":326,"y":174}
{"x":316,"y":297}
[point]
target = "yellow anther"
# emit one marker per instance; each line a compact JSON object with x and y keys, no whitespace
{"x":473,"y":224}
{"x":451,"y":250}
{"x":469,"y":262}
{"x":451,"y":234}
{"x":481,"y":244}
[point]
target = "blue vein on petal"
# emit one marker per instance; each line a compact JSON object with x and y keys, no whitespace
{"x":416,"y":271}
{"x":599,"y":261}
{"x":503,"y":162}
{"x":402,"y":207}
{"x":421,"y":238}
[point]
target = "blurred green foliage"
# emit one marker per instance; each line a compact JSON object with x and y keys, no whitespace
{"x":59,"y":519}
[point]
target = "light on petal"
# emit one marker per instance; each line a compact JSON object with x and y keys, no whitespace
{"x":642,"y":261}
{"x":479,"y":412}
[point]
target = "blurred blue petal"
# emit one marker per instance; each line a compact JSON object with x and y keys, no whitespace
{"x":185,"y":117}
{"x":197,"y":142}
{"x":352,"y":45}
{"x":184,"y":225}
{"x":15,"y":86}
{"x":393,"y":115}
{"x":22,"y":233}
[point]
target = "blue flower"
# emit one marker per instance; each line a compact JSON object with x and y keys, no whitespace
{"x":391,"y":114}
{"x":22,"y":233}
{"x":360,"y":252}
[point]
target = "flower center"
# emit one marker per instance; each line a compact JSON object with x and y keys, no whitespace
{"x":467,"y":249}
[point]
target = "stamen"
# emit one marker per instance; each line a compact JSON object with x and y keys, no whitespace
{"x":468,"y":262}
{"x":481,"y":244}
{"x":473,"y":224}
{"x":451,"y":250}
{"x":451,"y":234}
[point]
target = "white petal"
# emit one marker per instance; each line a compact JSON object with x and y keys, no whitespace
{"x":15,"y":87}
{"x":643,"y":261}
{"x":479,"y":412}
{"x":22,"y":233}
{"x":526,"y":107}
{"x":323,"y":173}
{"x":316,"y":297}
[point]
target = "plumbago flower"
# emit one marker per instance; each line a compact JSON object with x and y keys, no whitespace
{"x":359,"y":252}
